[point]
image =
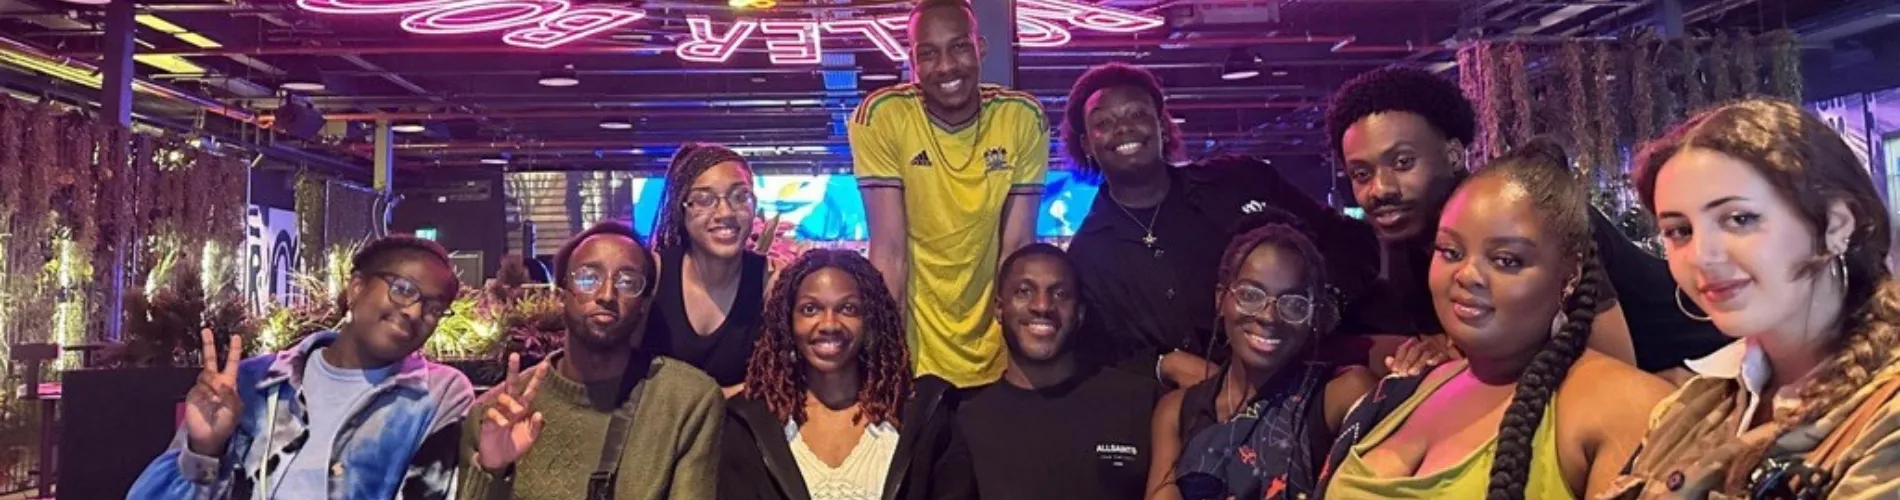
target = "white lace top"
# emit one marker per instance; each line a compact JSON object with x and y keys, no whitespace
{"x":860,"y":477}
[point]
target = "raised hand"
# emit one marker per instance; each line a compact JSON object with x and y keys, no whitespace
{"x":212,"y":406}
{"x":510,"y":427}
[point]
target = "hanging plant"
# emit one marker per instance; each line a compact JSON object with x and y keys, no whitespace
{"x":1721,"y":68}
{"x":1747,"y":64}
{"x":1496,"y":93}
{"x":12,"y":130}
{"x":1608,"y":131}
{"x":1642,"y":87}
{"x":1471,"y":81}
{"x":1570,"y":59}
{"x":309,"y":207}
{"x":1694,"y":93}
{"x":1787,"y":65}
{"x":1520,"y":94}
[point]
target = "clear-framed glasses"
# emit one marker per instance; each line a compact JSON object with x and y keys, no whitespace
{"x":700,"y":200}
{"x":588,"y":280}
{"x":403,"y":292}
{"x":1290,"y":308}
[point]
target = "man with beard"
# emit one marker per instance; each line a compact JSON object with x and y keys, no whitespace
{"x":951,"y":172}
{"x":1401,"y":135}
{"x":1151,"y":243}
{"x":659,"y":417}
{"x":1055,"y":426}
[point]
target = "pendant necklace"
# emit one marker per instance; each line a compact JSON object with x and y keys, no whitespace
{"x":1148,"y":239}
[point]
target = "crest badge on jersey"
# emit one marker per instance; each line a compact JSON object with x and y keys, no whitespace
{"x":996,"y":159}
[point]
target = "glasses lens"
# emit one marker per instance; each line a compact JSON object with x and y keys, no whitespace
{"x":740,"y":199}
{"x":585,"y":280}
{"x":701,"y":199}
{"x":1251,"y":300}
{"x":402,"y":291}
{"x":1294,"y":308}
{"x":629,"y":284}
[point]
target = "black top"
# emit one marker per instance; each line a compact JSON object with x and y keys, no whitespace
{"x":931,"y":462}
{"x":1154,"y":302}
{"x":723,"y":353}
{"x":1087,"y":437}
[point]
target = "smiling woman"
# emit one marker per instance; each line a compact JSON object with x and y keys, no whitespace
{"x":708,"y":301}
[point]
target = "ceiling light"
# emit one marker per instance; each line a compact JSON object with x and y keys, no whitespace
{"x":616,"y":124}
{"x":1279,"y":72}
{"x":1239,"y":66}
{"x":89,"y":2}
{"x":879,"y":77}
{"x":407,"y":127}
{"x":1178,"y":120}
{"x":758,"y":79}
{"x":563,"y":77}
{"x":301,"y":76}
{"x":494,"y":160}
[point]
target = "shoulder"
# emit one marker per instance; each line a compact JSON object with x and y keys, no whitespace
{"x":1597,"y":378}
{"x":446,"y":381}
{"x":678,"y":379}
{"x":1227,"y":165}
{"x":1169,"y":407}
{"x":1013,"y":103}
{"x":876,"y":106}
{"x":1122,"y":380}
{"x":1349,"y":383}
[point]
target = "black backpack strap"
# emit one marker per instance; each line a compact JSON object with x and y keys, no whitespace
{"x":1385,"y":397}
{"x":600,"y":484}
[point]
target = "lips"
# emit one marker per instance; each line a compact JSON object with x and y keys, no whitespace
{"x":828,"y":345}
{"x":1261,"y":341}
{"x":1470,"y":310}
{"x":951,"y":86}
{"x":1128,"y":148}
{"x":724,"y":234}
{"x":603,"y":318}
{"x":1390,"y":215}
{"x":1040,"y":328}
{"x":1717,"y":292}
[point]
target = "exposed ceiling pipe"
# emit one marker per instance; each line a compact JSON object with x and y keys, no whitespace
{"x":25,"y":55}
{"x":762,"y":111}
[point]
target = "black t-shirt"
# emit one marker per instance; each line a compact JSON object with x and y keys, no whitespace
{"x":1085,"y":438}
{"x":723,"y":353}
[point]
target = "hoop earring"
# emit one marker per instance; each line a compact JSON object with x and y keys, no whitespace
{"x":1685,"y":309}
{"x":1840,"y":270}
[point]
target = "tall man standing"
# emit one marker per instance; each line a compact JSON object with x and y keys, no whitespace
{"x":952,"y":173}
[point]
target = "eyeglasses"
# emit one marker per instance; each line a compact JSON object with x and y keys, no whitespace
{"x":588,"y":280}
{"x":700,"y":200}
{"x":1291,"y":307}
{"x":404,"y":293}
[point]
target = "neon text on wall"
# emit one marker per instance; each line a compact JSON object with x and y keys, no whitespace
{"x":545,"y":24}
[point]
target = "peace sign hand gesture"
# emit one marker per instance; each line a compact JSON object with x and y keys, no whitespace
{"x":212,"y":406}
{"x":509,"y":428}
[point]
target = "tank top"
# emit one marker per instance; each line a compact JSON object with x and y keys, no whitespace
{"x":722,"y":354}
{"x":1469,"y":478}
{"x":1273,"y":448}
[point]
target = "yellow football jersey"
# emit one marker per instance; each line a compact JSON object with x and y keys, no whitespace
{"x":955,"y":185}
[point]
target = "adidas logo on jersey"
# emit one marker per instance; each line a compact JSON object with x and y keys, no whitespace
{"x":921,"y":160}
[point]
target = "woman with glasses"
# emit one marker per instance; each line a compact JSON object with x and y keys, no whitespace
{"x":711,"y":285}
{"x":281,"y":425}
{"x":830,"y":410}
{"x":1529,"y":413}
{"x":1771,"y":225}
{"x":1259,"y":428}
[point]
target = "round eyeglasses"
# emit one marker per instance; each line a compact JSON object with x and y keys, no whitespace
{"x":588,"y":280}
{"x":404,"y":292}
{"x":1290,"y":308}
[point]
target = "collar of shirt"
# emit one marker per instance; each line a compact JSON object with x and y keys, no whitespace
{"x":1743,"y":360}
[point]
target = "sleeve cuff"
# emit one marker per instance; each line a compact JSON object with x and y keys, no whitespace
{"x":893,"y":182}
{"x":197,"y":468}
{"x":1026,"y":189}
{"x":479,"y":483}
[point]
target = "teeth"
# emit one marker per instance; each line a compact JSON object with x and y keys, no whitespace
{"x":951,"y":86}
{"x":1042,"y":328}
{"x":1128,"y":148}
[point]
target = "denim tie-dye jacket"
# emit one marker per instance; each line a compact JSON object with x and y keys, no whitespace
{"x":400,"y":440}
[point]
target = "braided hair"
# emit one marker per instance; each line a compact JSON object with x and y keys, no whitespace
{"x":775,"y":375}
{"x":691,"y":160}
{"x":1809,"y":165}
{"x":1541,"y":169}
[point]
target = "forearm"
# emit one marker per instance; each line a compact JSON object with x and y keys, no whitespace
{"x":892,"y":260}
{"x":1019,"y":224}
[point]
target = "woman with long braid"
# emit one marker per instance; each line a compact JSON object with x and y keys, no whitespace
{"x":1530,"y":413}
{"x":1772,"y":226}
{"x":711,"y":287}
{"x":830,"y":410}
{"x":1259,"y":427}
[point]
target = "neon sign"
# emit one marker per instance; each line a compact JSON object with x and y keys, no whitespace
{"x":545,"y":24}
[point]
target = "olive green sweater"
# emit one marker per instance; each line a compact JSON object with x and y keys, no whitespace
{"x":671,"y":450}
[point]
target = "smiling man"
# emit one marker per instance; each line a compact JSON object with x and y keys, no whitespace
{"x":951,"y":172}
{"x":1089,"y":425}
{"x":610,"y":419}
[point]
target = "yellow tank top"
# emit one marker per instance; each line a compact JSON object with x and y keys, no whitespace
{"x":1469,"y":478}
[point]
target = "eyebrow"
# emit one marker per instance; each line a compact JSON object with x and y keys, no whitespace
{"x":1508,"y":240}
{"x":1712,"y":205}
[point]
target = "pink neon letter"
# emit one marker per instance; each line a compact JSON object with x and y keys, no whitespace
{"x":873,"y":31}
{"x":1088,"y":16}
{"x":575,"y":24}
{"x":475,"y":16}
{"x":708,"y":47}
{"x":801,"y":48}
{"x":370,"y":6}
{"x":1033,"y":32}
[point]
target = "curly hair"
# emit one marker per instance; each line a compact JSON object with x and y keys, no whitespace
{"x":775,"y":374}
{"x":692,"y":159}
{"x":1541,"y":169}
{"x":1813,"y":167}
{"x":1400,"y":88}
{"x":1281,"y":229}
{"x":1113,"y":75}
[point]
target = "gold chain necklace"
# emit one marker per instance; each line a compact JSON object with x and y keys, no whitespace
{"x":1148,"y":239}
{"x":975,"y":144}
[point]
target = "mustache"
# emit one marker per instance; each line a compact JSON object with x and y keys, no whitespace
{"x":1383,"y":202}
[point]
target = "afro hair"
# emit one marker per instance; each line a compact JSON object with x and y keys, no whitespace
{"x":1399,"y":88}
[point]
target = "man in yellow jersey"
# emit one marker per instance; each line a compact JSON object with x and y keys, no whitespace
{"x":952,"y":172}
